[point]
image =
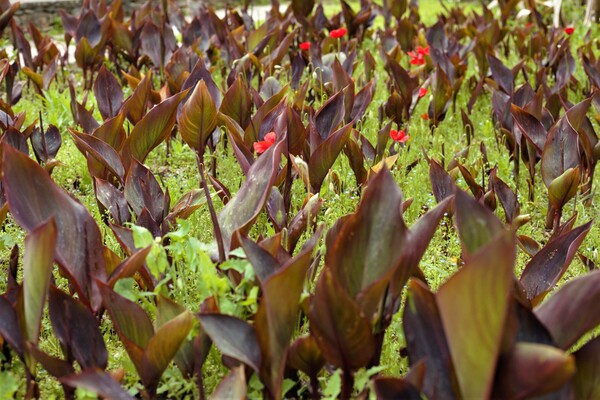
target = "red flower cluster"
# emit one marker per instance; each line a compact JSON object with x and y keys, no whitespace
{"x":338,"y":33}
{"x":569,"y":30}
{"x":262,"y":146}
{"x":422,"y":92}
{"x":418,"y":57}
{"x":399,"y":136}
{"x":304,"y":46}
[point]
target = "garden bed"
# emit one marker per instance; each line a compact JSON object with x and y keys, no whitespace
{"x":330,"y":200}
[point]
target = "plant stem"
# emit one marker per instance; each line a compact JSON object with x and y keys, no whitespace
{"x":314,"y":388}
{"x":347,"y":384}
{"x":211,"y":208}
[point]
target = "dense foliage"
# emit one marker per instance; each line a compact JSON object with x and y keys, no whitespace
{"x":286,"y":267}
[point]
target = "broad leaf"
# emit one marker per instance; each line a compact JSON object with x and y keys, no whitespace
{"x":571,"y":312}
{"x":233,"y":386}
{"x":243,"y":209}
{"x":442,"y":184}
{"x":130,"y":321}
{"x":97,"y":381}
{"x":341,"y":330}
{"x":262,"y":261}
{"x":237,"y":103}
{"x":152,"y":129}
{"x":198,"y":118}
{"x":476,"y":224}
{"x":163,"y":346}
{"x":564,"y":188}
{"x":370,"y":240}
{"x":561,"y":151}
{"x":330,"y":115}
{"x":277,"y":316}
{"x":33,"y":198}
{"x":473,"y":305}
{"x":38,"y":261}
{"x":109,"y":95}
{"x":549,"y":264}
{"x":129,"y":266}
{"x":586,"y":382}
{"x":142,"y":190}
{"x":325,"y":155}
{"x":533,"y":129}
{"x":501,"y":74}
{"x":426,"y":342}
{"x":306,"y":356}
{"x":101,"y":152}
{"x":234,"y":337}
{"x":531,"y":369}
{"x":9,"y":327}
{"x":77,"y":330}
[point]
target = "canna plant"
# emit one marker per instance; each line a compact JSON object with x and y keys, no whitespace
{"x":481,"y":322}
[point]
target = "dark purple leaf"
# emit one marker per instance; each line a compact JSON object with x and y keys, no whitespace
{"x":549,"y":264}
{"x":501,"y":74}
{"x":198,"y":118}
{"x":338,"y":325}
{"x":330,"y":115}
{"x":473,"y":306}
{"x":152,"y":129}
{"x":113,"y":201}
{"x":304,"y":355}
{"x":395,"y":388}
{"x":233,"y":337}
{"x":99,"y":382}
{"x":442,"y":184}
{"x":476,"y":224}
{"x":38,"y":261}
{"x":277,"y":315}
{"x":77,"y":330}
{"x":100,"y":152}
{"x":325,"y":155}
{"x":571,"y":311}
{"x":529,"y":125}
{"x":371,"y":240}
{"x":262,"y":261}
{"x":426,"y":342}
{"x":34,"y":198}
{"x":586,"y":382}
{"x":142,"y":190}
{"x":109,"y":95}
{"x":561,"y":151}
{"x":531,"y":369}
{"x":243,"y":209}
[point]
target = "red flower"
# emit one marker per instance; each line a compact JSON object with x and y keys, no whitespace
{"x":425,"y":116}
{"x":424,"y":51}
{"x":422,"y":92}
{"x":418,"y":57}
{"x":338,"y":33}
{"x":262,"y":146}
{"x":399,"y":136}
{"x":304,"y":46}
{"x":569,"y":30}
